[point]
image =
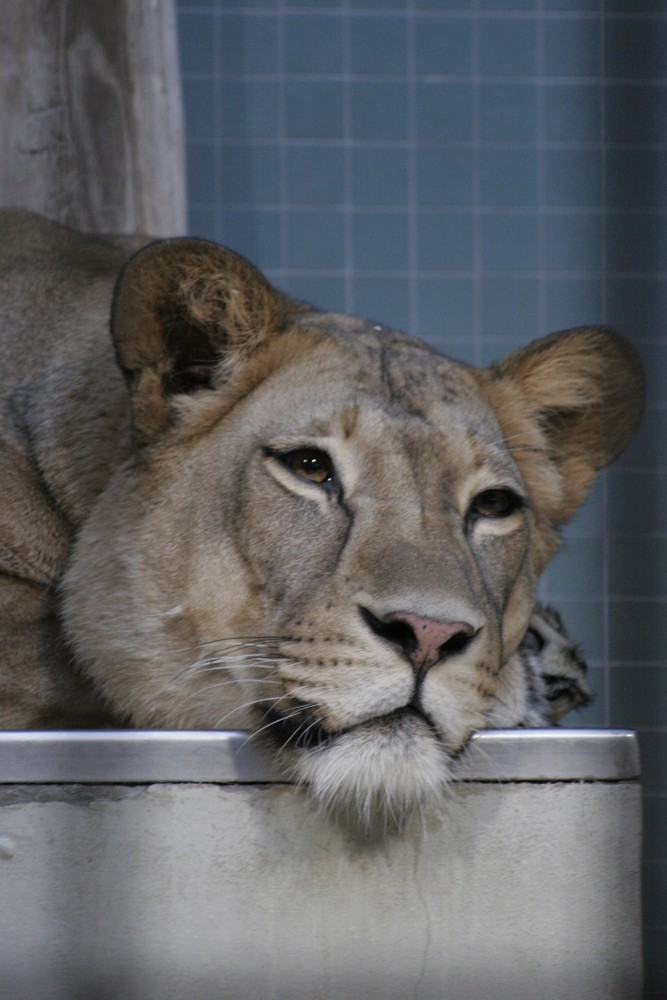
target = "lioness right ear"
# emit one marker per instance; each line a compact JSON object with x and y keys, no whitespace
{"x":568,"y":405}
{"x":183,"y":310}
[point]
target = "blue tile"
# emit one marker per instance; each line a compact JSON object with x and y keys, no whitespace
{"x":590,"y":518}
{"x":572,"y":47}
{"x":572,"y":302}
{"x":446,"y":314}
{"x":653,"y":752}
{"x":247,"y":179}
{"x":655,"y":828}
{"x":255,"y":234}
{"x":636,"y":178}
{"x":655,"y":949}
{"x":573,"y":242}
{"x":457,"y":348}
{"x":636,"y":49}
{"x":231,"y":3}
{"x":383,"y":300}
{"x":198,"y":109}
{"x":200,"y":172}
{"x":314,"y":109}
{"x":637,"y":306}
{"x":494,"y":349}
{"x":635,"y":113}
{"x":510,"y":242}
{"x":506,"y":5}
{"x":249,"y":109}
{"x":444,"y":176}
{"x":380,"y":241}
{"x":572,"y":113}
{"x":315,"y":240}
{"x":379,"y":110}
{"x":640,"y":496}
{"x":510,"y":307}
{"x":574,"y":6}
{"x":313,"y":44}
{"x":637,"y":697}
{"x":378,"y":45}
{"x":636,"y":244}
{"x":638,"y":631}
{"x":654,"y":359}
{"x":508,"y":178}
{"x":443,"y":46}
{"x":380,"y":4}
{"x":444,"y":111}
{"x":444,"y":241}
{"x":508,"y":46}
{"x":451,"y":6}
{"x":319,"y":4}
{"x":315,"y":175}
{"x":196,"y":36}
{"x":649,"y":447}
{"x":379,"y":175}
{"x":508,"y":112}
{"x":249,"y":44}
{"x":572,"y":177}
{"x":654,"y":897}
{"x":578,"y":568}
{"x":202,"y":222}
{"x":635,"y":7}
{"x":321,"y":291}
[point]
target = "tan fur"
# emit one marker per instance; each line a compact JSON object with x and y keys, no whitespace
{"x":162,"y":563}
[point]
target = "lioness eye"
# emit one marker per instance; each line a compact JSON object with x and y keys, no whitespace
{"x":310,"y":464}
{"x":495,"y":503}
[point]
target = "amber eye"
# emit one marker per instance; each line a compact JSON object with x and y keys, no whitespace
{"x":310,"y":464}
{"x":495,"y":503}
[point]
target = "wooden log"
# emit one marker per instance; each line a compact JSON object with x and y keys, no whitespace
{"x":91,"y":114}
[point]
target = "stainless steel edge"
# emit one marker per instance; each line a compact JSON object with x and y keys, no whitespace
{"x":148,"y":756}
{"x":551,"y":755}
{"x":134,"y":756}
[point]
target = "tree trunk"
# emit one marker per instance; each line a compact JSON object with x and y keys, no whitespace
{"x":91,"y":115}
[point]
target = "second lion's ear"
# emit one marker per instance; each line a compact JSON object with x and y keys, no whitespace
{"x":182,"y":310}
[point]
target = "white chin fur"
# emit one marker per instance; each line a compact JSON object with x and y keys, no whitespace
{"x":379,"y":772}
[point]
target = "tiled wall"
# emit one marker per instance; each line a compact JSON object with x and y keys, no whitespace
{"x":479,"y":172}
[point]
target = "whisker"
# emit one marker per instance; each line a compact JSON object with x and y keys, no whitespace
{"x":258,"y":702}
{"x":300,"y":710}
{"x":236,"y":642}
{"x":212,"y":664}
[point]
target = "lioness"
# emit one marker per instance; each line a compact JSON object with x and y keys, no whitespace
{"x":238,"y":511}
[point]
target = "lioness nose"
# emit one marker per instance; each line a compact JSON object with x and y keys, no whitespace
{"x":425,"y":641}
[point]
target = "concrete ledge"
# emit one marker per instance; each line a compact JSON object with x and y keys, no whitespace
{"x":164,"y":866}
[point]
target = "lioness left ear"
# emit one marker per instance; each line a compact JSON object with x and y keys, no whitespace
{"x":181,"y":309}
{"x":568,"y":404}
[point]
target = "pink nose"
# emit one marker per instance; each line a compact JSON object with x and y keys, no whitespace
{"x":425,"y":641}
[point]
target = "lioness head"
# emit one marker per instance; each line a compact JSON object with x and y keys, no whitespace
{"x":327,"y":530}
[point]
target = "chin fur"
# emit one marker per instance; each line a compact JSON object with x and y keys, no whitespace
{"x":377,"y":773}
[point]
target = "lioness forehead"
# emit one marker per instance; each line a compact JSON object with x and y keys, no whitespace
{"x":358,"y":365}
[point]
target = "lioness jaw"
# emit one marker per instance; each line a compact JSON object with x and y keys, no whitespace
{"x":239,"y":511}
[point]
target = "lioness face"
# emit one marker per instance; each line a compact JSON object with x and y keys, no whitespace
{"x":380,"y":558}
{"x":332,"y":534}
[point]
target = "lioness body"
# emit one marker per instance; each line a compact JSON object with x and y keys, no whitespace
{"x":56,"y":452}
{"x":243,"y":511}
